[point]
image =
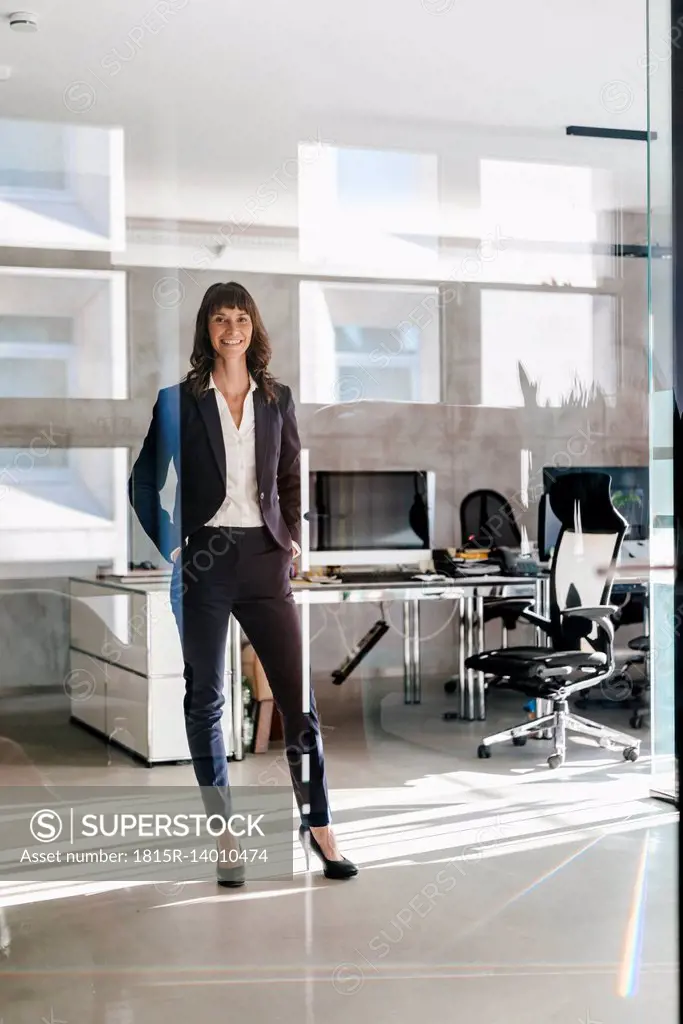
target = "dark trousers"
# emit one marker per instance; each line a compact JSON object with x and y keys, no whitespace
{"x":228,"y":570}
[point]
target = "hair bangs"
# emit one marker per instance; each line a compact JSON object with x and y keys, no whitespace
{"x":231,"y":295}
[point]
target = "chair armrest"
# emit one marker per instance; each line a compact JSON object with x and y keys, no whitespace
{"x":591,"y":610}
{"x":602,"y":614}
{"x":537,"y":620}
{"x":509,"y":609}
{"x":594,"y":612}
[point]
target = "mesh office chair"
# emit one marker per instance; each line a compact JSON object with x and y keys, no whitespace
{"x":487,"y":520}
{"x":579,"y":628}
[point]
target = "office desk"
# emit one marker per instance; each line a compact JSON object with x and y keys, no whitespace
{"x":126,"y":662}
{"x":470,"y":593}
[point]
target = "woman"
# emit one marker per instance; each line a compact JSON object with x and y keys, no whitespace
{"x":231,"y":432}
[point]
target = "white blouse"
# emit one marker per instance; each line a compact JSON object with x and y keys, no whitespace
{"x":241,"y":505}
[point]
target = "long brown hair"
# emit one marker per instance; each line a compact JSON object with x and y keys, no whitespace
{"x":230,"y":295}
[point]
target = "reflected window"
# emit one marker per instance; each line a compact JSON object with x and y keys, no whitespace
{"x":61,"y":186}
{"x":62,"y":334}
{"x":36,"y":355}
{"x":548,"y":216}
{"x":368,"y":343}
{"x":33,"y":156}
{"x":375,"y":211}
{"x":547,"y":349}
{"x":62,"y":506}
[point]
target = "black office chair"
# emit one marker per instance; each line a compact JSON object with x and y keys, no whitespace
{"x":629,"y":686}
{"x":640,"y":689}
{"x":580,"y":626}
{"x":487,"y":521}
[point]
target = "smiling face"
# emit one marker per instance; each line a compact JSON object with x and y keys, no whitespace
{"x":230,"y":332}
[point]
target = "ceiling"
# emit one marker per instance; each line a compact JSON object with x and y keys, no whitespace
{"x":211,"y":91}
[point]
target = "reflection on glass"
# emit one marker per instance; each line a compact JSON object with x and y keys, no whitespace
{"x":543,"y":202}
{"x":62,"y":506}
{"x":664,"y":619}
{"x":371,"y":211}
{"x":62,"y":334}
{"x":61,"y":186}
{"x":546,"y":349}
{"x":557,"y":223}
{"x":33,"y":156}
{"x":365,"y":342}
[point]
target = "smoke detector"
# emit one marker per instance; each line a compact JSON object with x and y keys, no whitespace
{"x":23,"y":21}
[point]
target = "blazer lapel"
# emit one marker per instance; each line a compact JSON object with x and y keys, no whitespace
{"x":260,"y":433}
{"x":208,"y":408}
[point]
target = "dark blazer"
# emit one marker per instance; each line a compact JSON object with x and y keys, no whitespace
{"x":187,"y":431}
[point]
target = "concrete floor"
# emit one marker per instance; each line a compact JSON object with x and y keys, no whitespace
{"x":495,"y":891}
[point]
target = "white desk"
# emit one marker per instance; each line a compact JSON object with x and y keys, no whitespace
{"x":126,"y":680}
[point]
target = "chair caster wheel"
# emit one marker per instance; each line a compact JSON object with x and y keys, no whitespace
{"x":636,"y":722}
{"x":450,"y":716}
{"x":518,"y":741}
{"x":483,"y":751}
{"x":451,"y":686}
{"x":554,"y":761}
{"x":630,"y":754}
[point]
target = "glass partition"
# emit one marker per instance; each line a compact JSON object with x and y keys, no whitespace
{"x":664,"y":619}
{"x":456,"y":222}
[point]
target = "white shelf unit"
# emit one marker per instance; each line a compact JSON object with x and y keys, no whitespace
{"x":126,"y":670}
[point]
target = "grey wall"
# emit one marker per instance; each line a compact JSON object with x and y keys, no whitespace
{"x":34,"y":630}
{"x":468,"y":446}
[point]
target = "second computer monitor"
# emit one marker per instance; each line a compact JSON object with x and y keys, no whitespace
{"x":629,"y":488}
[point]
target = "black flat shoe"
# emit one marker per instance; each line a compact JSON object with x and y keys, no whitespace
{"x":339,"y":869}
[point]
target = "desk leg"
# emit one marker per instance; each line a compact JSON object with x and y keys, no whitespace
{"x":417,"y":676}
{"x":462,"y":654}
{"x":234,"y":660}
{"x":408,"y":675}
{"x":542,"y":596}
{"x":469,"y":673}
{"x":480,"y":689}
{"x":306,"y":678}
{"x":539,"y":608}
{"x":545,"y":590}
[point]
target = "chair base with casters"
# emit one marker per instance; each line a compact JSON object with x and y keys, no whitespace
{"x":561,"y":721}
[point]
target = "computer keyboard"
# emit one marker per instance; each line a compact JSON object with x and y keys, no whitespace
{"x":380,"y":576}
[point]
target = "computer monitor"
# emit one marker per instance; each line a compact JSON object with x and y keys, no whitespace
{"x":360,"y":517}
{"x":629,"y":488}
